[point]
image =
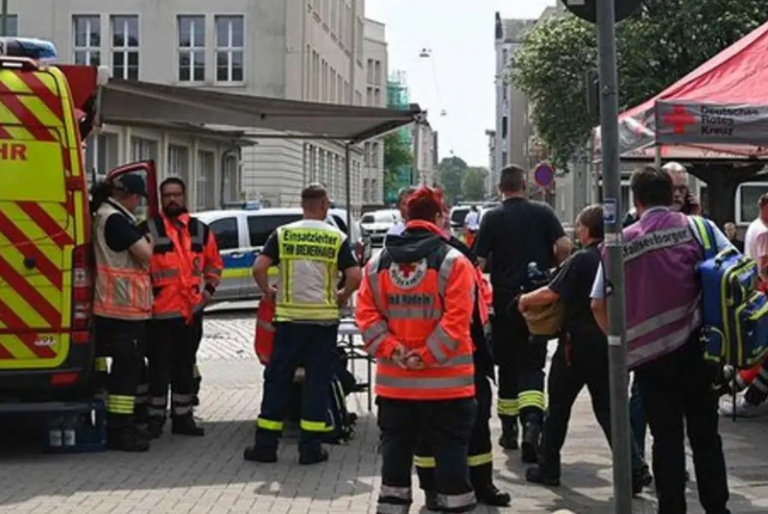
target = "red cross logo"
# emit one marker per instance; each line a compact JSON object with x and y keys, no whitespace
{"x":679,"y":119}
{"x":407,"y":269}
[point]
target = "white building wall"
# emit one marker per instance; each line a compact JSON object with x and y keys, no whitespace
{"x":292,"y":49}
{"x":376,"y":73}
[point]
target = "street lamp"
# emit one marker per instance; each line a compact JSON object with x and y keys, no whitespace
{"x":425,"y":53}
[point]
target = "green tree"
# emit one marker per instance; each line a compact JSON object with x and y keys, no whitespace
{"x":662,"y":42}
{"x":397,"y":156}
{"x":474,"y":184}
{"x":451,"y":177}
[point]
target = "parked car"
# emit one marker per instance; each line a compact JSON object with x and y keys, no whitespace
{"x":241,"y":234}
{"x":377,"y":224}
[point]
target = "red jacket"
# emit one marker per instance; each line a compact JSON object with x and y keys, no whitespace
{"x":419,"y":292}
{"x":184,"y":264}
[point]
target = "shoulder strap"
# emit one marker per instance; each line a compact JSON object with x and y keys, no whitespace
{"x":706,"y":235}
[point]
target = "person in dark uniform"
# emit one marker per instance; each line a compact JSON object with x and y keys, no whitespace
{"x":512,"y":236}
{"x":480,"y":450}
{"x":581,"y":357}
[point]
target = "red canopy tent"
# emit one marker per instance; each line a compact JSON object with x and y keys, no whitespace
{"x":717,"y":112}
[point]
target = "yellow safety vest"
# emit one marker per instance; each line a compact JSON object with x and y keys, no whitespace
{"x":309,"y":253}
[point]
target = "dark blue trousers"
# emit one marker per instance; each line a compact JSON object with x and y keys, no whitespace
{"x":310,"y":346}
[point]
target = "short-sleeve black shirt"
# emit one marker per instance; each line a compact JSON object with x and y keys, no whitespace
{"x":120,"y":233}
{"x":574,"y":284}
{"x":345,"y":261}
{"x":514,"y":234}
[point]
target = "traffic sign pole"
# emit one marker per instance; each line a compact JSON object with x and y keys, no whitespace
{"x":617,"y":350}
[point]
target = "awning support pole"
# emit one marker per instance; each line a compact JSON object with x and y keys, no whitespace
{"x":348,"y":184}
{"x":657,"y":156}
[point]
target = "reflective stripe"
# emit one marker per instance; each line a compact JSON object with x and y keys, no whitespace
{"x":424,"y":462}
{"x":374,"y":331}
{"x":760,"y":385}
{"x":656,"y":241}
{"x":455,"y":501}
{"x":314,"y":426}
{"x":401,"y":493}
{"x":665,"y":318}
{"x":158,"y":401}
{"x":438,"y":336}
{"x":120,"y":404}
{"x":266,"y":424}
{"x":142,"y":388}
{"x":101,"y":364}
{"x":445,"y":270}
{"x":425,"y":382}
{"x":211,"y":270}
{"x":507,"y":407}
{"x":373,"y":346}
{"x":665,"y":344}
{"x":165,"y":240}
{"x":703,"y":232}
{"x":182,"y":410}
{"x":266,"y":325}
{"x":414,"y":312}
{"x":155,"y":412}
{"x":390,"y":508}
{"x":458,"y":360}
{"x":373,"y":282}
{"x":182,"y":398}
{"x":166,"y":273}
{"x":479,"y":460}
{"x":168,"y":315}
{"x":531,"y":399}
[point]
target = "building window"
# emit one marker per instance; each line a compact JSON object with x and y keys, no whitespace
{"x":230,"y":44}
{"x":375,"y":155}
{"x":125,"y":47}
{"x":339,"y":90}
{"x":101,"y":153}
{"x":13,"y":25}
{"x":365,"y":190}
{"x":206,"y":181}
{"x":377,"y":74}
{"x":191,"y":48}
{"x":369,"y":71}
{"x":231,"y":178}
{"x":178,"y":163}
{"x":87,"y":38}
{"x":374,"y":190}
{"x":367,"y":153}
{"x":143,"y":149}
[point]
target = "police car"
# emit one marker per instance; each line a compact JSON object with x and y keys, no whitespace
{"x":241,"y":234}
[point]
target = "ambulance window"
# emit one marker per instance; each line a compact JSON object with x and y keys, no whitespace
{"x":225,"y":231}
{"x":261,"y":227}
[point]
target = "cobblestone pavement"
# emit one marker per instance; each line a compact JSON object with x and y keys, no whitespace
{"x":199,"y":476}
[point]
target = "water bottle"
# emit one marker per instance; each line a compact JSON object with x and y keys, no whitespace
{"x":533,"y":271}
{"x":70,"y":431}
{"x":55,"y":435}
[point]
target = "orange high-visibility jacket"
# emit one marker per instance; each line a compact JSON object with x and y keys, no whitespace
{"x":185,"y":262}
{"x":419,"y":292}
{"x":265,"y":330}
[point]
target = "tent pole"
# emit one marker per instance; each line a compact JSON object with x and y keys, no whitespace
{"x":348,"y":185}
{"x":657,"y":156}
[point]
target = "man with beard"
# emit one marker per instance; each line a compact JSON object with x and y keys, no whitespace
{"x":185,"y":268}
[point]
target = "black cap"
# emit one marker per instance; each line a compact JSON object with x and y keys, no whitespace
{"x":132,"y":184}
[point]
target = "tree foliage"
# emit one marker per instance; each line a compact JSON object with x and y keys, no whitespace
{"x":661,"y":43}
{"x":451,"y":177}
{"x":397,"y":155}
{"x":474,"y":184}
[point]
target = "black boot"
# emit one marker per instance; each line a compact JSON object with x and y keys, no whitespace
{"x":531,"y":440}
{"x":314,"y":456}
{"x":535,"y":475}
{"x":509,"y":433}
{"x":126,"y":439}
{"x":641,"y":479}
{"x":185,"y":425}
{"x":260,"y":454}
{"x":432,"y":503}
{"x":485,"y":491}
{"x":155,"y":427}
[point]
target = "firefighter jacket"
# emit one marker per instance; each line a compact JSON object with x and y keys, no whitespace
{"x":481,"y":319}
{"x":123,"y":289}
{"x":309,"y":255}
{"x":419,"y":292}
{"x":184,"y":264}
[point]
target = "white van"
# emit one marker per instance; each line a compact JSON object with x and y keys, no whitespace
{"x":241,"y":234}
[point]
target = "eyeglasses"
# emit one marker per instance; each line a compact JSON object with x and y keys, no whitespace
{"x":173,"y":195}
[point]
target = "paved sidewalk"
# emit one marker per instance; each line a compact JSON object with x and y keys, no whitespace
{"x":199,"y":476}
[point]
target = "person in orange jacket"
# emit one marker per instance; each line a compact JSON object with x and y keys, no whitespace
{"x":414,"y":311}
{"x":185,"y":269}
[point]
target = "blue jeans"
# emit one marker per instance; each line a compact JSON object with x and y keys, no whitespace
{"x":637,"y":418}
